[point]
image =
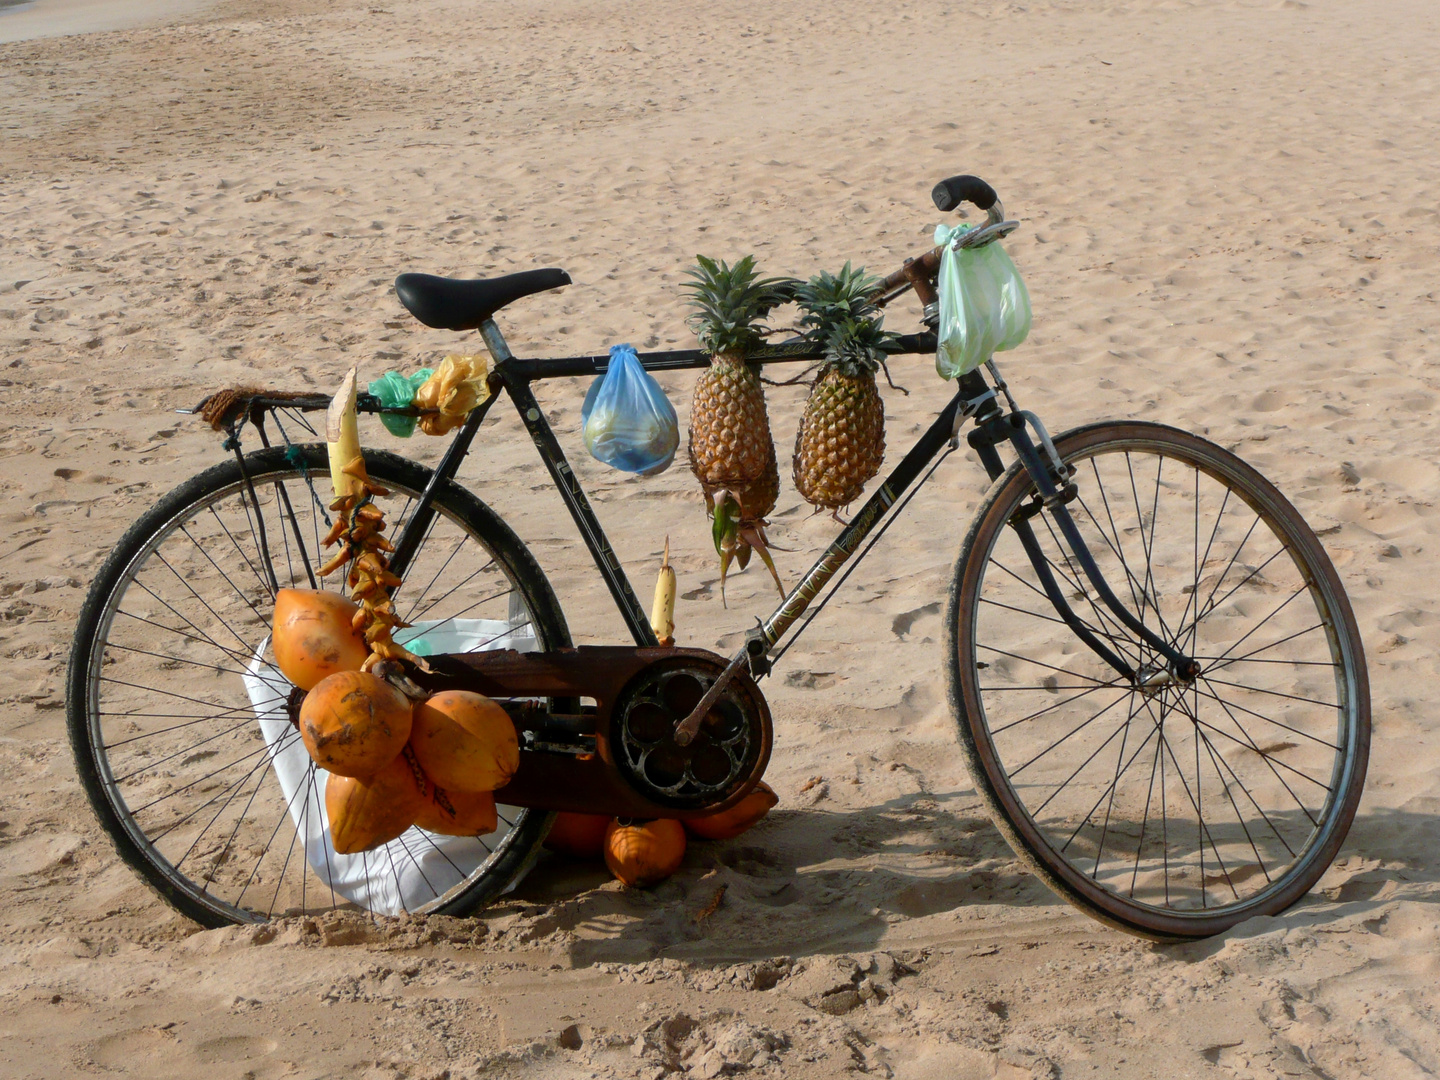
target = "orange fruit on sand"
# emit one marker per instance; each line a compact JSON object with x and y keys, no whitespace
{"x":644,"y":853}
{"x":580,"y":835}
{"x":312,"y":637}
{"x":465,"y":741}
{"x":468,"y":813}
{"x":728,"y":824}
{"x":367,"y":813}
{"x":354,"y":724}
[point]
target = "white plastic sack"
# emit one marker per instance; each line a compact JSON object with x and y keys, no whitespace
{"x":411,"y":870}
{"x":629,"y":422}
{"x":984,"y":305}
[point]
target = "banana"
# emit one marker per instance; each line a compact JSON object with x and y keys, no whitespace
{"x":662,"y":611}
{"x":342,"y":438}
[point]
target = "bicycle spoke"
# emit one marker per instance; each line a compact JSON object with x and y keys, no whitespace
{"x":1268,"y":719}
{"x":273,"y":683}
{"x":1041,"y":593}
{"x":1202,"y":610}
{"x":200,"y":780}
{"x":419,"y":596}
{"x":1079,"y":768}
{"x":1269,"y":759}
{"x":285,"y":815}
{"x":1302,"y":589}
{"x":452,"y":591}
{"x":1119,"y":547}
{"x":259,"y":578}
{"x":257,"y":768}
{"x":239,"y":658}
{"x":206,"y":638}
{"x":150,"y":766}
{"x":1108,"y":795}
{"x":1056,"y":705}
{"x":1276,"y":693}
{"x":1199,"y":816}
{"x":1064,"y":738}
{"x":459,"y":614}
{"x":226,"y":714}
{"x":239,"y":820}
{"x":1037,"y":663}
{"x":1221,"y":767}
{"x":1145,"y":818}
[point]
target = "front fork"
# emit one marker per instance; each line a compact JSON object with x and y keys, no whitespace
{"x":1054,"y":490}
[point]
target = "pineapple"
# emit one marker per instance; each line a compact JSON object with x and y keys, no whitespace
{"x":732,"y":453}
{"x":729,"y":429}
{"x":841,"y":439}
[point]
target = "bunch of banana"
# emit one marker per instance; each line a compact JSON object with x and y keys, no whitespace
{"x":359,"y":523}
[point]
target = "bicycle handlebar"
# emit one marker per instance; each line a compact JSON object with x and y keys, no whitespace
{"x":952,"y":191}
{"x":919,"y":273}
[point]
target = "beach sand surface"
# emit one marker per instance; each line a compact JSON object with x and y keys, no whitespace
{"x":1229,"y":212}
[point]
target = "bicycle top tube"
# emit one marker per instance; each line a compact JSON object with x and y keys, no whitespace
{"x":787,"y":352}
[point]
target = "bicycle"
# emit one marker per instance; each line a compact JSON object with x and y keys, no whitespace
{"x":1163,"y":701}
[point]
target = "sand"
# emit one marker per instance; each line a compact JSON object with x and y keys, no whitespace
{"x":1229,"y":214}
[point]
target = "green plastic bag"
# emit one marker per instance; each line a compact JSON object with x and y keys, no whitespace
{"x":396,"y":391}
{"x":984,"y":305}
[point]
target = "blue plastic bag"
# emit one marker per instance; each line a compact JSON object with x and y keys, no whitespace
{"x":628,"y":421}
{"x":984,"y":305}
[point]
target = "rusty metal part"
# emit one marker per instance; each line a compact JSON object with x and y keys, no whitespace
{"x":925,"y":266}
{"x":685,"y":733}
{"x":568,"y":757}
{"x":921,"y":280}
{"x":292,"y":705}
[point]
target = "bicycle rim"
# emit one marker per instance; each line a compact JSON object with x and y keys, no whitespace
{"x":1171,"y":810}
{"x":179,"y":717}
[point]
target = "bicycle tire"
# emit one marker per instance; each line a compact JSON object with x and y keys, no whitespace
{"x":165,"y":602}
{"x":1022,"y":684}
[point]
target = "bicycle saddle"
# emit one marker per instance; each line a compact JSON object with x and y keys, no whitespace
{"x":460,"y":304}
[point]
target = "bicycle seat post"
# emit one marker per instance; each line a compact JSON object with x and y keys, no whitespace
{"x":495,"y":342}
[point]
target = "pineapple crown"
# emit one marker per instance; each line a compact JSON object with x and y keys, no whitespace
{"x":841,"y":315}
{"x":729,"y":302}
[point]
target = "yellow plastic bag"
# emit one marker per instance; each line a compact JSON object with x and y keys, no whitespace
{"x":457,"y":386}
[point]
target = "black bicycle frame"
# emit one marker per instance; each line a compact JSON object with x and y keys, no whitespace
{"x":974,"y":397}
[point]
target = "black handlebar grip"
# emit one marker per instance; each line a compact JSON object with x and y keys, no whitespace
{"x":951,"y":192}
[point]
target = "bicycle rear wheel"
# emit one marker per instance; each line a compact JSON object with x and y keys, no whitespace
{"x":1170,"y":810}
{"x":178,"y":716}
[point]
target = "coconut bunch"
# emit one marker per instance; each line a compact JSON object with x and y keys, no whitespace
{"x":840,"y":442}
{"x":732,"y":453}
{"x":395,"y":756}
{"x":644,"y":853}
{"x":393,"y":761}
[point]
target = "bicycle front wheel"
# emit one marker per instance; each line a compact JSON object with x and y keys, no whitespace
{"x":1169,"y":809}
{"x":179,"y":717}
